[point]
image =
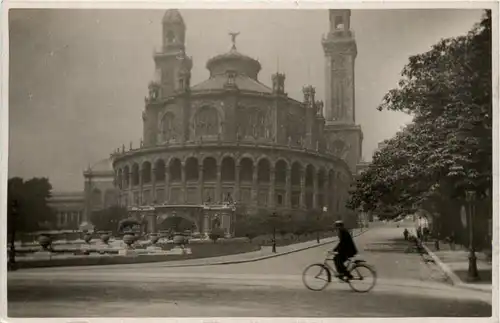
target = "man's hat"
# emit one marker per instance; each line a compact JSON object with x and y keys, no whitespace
{"x":339,"y":223}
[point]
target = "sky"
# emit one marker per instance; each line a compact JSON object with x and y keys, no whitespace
{"x":78,"y":77}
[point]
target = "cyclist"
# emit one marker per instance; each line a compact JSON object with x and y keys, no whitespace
{"x":344,"y":250}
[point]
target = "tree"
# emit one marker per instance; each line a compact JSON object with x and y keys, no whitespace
{"x":448,"y":147}
{"x":108,"y":219}
{"x":249,"y":226}
{"x":216,"y":234}
{"x":33,"y":212}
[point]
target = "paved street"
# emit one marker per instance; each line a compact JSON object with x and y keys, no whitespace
{"x":406,"y":287}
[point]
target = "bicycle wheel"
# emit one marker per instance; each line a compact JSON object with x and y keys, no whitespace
{"x":316,"y":277}
{"x":363,"y":279}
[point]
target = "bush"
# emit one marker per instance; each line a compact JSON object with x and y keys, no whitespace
{"x":216,"y":234}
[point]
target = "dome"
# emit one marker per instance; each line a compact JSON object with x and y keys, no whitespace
{"x":234,"y":61}
{"x":105,"y":165}
{"x":173,"y":16}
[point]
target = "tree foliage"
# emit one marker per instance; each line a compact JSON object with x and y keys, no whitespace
{"x":33,"y":212}
{"x":108,"y":219}
{"x":447,"y":149}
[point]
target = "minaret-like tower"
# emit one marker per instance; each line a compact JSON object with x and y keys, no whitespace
{"x":340,"y":53}
{"x":172,"y":75}
{"x":343,"y":137}
{"x":173,"y":67}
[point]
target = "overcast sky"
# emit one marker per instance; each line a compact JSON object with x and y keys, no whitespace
{"x":78,"y":77}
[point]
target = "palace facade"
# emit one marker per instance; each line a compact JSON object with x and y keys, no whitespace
{"x":231,"y":138}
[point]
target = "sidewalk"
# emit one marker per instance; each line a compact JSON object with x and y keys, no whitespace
{"x":455,"y":264}
{"x":264,"y":253}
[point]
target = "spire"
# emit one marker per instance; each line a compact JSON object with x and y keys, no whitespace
{"x":233,"y":39}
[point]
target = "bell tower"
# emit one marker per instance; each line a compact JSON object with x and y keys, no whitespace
{"x":173,"y":67}
{"x":344,"y":137}
{"x":171,"y":78}
{"x":340,"y":54}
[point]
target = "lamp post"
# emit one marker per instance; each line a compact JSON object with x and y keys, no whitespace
{"x":472,"y":273}
{"x":324,"y":209}
{"x":273,"y":217}
{"x":13,"y":220}
{"x":317,"y":226}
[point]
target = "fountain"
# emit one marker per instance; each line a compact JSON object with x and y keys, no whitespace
{"x":45,"y":241}
{"x":153,"y":237}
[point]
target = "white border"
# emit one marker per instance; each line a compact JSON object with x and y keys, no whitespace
{"x":351,"y":4}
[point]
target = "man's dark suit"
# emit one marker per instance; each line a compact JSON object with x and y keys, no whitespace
{"x":345,"y":249}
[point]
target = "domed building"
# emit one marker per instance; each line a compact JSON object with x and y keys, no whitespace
{"x":231,"y":139}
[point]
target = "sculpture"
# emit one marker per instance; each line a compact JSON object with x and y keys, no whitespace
{"x":233,"y":39}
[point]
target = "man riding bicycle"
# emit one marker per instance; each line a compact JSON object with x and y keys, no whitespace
{"x":344,"y":250}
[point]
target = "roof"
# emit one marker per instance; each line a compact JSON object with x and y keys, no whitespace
{"x":233,"y":54}
{"x":104,"y":165}
{"x":243,"y":82}
{"x":173,"y":16}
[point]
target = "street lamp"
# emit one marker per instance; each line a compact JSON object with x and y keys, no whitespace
{"x":318,"y":218}
{"x":13,"y":218}
{"x":472,"y":271}
{"x":273,"y":217}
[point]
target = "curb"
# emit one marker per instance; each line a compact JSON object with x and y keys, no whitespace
{"x":455,"y":280}
{"x":231,"y":262}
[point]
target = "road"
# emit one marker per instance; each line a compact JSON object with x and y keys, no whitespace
{"x":407,"y":286}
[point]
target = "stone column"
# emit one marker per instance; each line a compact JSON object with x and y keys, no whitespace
{"x":325,"y":195}
{"x":183,"y":183}
{"x":315,"y":190}
{"x":218,"y":184}
{"x":255,"y":191}
{"x":152,"y":223}
{"x":302,"y":189}
{"x":200,"y":183}
{"x":288,"y":185}
{"x":153,"y":185}
{"x":272,"y":184}
{"x":167,"y":185}
{"x":141,"y":184}
{"x":237,"y":184}
{"x":206,"y":223}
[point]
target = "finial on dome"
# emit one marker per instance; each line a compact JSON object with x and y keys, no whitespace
{"x":233,"y":39}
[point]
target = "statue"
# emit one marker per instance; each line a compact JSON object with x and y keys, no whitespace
{"x":233,"y":39}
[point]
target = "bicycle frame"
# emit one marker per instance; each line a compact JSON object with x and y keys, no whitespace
{"x":349,"y":264}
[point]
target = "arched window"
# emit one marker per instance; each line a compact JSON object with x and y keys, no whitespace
{"x":206,"y":122}
{"x":228,"y":169}
{"x":170,"y":37}
{"x":253,"y":123}
{"x":160,"y":170}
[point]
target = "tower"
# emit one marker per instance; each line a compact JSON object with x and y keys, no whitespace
{"x":340,"y":53}
{"x":173,"y":67}
{"x":343,"y":137}
{"x":172,"y":76}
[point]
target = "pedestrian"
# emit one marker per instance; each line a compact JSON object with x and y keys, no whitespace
{"x":451,"y":240}
{"x":406,"y":233}
{"x":419,"y":233}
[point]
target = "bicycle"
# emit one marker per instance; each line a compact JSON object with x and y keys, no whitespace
{"x":354,"y":267}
